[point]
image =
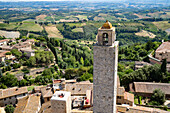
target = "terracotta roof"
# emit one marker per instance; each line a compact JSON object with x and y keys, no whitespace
{"x":149,"y":87}
{"x":27,"y":50}
{"x":2,"y":53}
{"x":28,"y":104}
{"x":32,"y":104}
{"x":45,"y":108}
{"x":56,"y":81}
{"x":38,"y":88}
{"x":6,"y":47}
{"x":4,"y":40}
{"x":165,"y":46}
{"x":129,"y":96}
{"x":139,"y":109}
{"x":46,"y":92}
{"x":21,"y":105}
{"x":79,"y":88}
{"x":12,"y":92}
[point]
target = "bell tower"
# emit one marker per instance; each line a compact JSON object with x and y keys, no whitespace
{"x":105,"y":70}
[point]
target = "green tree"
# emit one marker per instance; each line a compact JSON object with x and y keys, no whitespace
{"x":16,"y":53}
{"x":32,"y":61}
{"x":81,"y":61}
{"x":47,"y":72}
{"x":158,"y":97}
{"x":149,"y":45}
{"x":9,"y":109}
{"x":2,"y":86}
{"x":9,"y":80}
{"x":86,"y":62}
{"x":163,"y":66}
{"x":1,"y":73}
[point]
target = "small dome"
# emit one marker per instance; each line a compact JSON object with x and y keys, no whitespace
{"x":107,"y":25}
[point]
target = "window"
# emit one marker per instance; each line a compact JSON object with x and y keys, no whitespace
{"x":9,"y":97}
{"x":24,"y":94}
{"x":105,"y":38}
{"x":118,"y":97}
{"x":4,"y":98}
{"x":48,"y":99}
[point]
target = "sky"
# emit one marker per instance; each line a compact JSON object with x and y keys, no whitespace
{"x":54,"y":0}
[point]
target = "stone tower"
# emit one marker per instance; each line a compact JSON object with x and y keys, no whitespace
{"x":105,"y":70}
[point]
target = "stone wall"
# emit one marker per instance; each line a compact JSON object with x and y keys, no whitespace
{"x":105,"y":78}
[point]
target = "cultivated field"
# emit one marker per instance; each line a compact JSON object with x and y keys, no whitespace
{"x":30,"y":27}
{"x":145,"y":34}
{"x":162,"y":25}
{"x":11,"y":34}
{"x":53,"y":32}
{"x":81,"y":17}
{"x":41,"y":17}
{"x":78,"y":30}
{"x":10,"y":26}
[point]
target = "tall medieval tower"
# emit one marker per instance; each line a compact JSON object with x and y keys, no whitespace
{"x":105,"y":70}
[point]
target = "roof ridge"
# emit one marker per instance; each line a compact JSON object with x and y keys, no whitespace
{"x":27,"y":103}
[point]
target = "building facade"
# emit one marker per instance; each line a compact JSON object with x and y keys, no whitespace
{"x":61,"y":102}
{"x":11,"y":95}
{"x":163,"y":51}
{"x":105,"y":70}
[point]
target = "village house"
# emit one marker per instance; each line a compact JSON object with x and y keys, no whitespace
{"x":163,"y":51}
{"x":5,"y":47}
{"x":138,"y":109}
{"x":3,"y":55}
{"x":37,"y":89}
{"x":61,"y":102}
{"x":28,"y":104}
{"x":3,"y":42}
{"x":140,"y":64}
{"x":29,"y":52}
{"x":146,"y":89}
{"x":11,"y":95}
{"x":46,"y":93}
{"x":2,"y":110}
{"x":124,"y":97}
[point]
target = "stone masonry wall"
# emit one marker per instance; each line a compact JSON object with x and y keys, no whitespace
{"x":105,"y":78}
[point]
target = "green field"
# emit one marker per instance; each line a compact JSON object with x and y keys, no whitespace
{"x":10,"y":26}
{"x":162,"y":25}
{"x":81,"y":17}
{"x":30,"y":27}
{"x":78,"y":30}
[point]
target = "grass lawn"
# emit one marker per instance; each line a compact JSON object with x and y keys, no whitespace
{"x":162,"y":25}
{"x":30,"y":27}
{"x":78,"y":30}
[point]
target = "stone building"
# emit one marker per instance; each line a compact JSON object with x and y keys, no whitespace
{"x":28,"y":104}
{"x":11,"y":95}
{"x":146,"y":89}
{"x":163,"y":51}
{"x":61,"y":102}
{"x":105,"y":70}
